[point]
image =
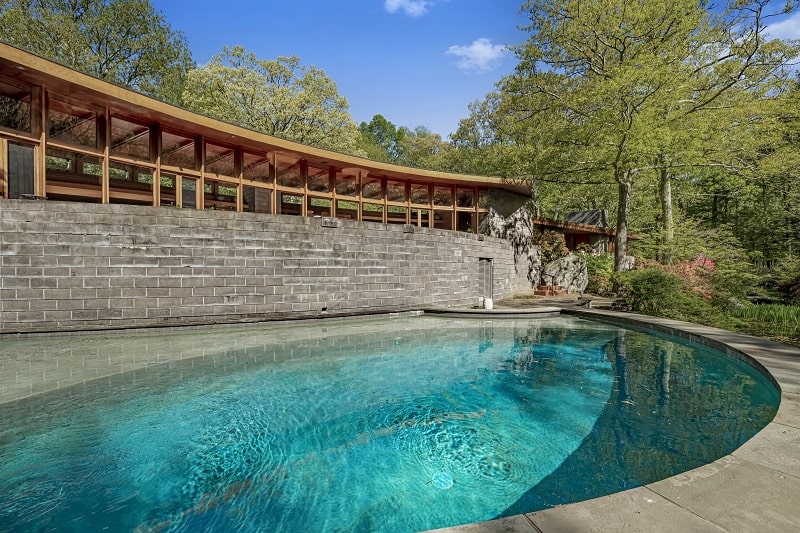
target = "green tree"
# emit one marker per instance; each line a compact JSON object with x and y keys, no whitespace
{"x":608,"y":89}
{"x":122,"y":41}
{"x":381,"y":139}
{"x":421,"y":148}
{"x":277,"y":97}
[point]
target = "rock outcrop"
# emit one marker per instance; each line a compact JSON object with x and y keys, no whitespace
{"x":570,"y":273}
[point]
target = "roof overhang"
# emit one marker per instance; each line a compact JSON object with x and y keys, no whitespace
{"x":37,"y":71}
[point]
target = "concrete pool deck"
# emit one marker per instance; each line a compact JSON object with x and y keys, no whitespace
{"x":756,"y":488}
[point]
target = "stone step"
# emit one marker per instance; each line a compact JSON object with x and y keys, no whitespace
{"x":555,"y":290}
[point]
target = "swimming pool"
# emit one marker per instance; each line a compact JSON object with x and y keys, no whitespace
{"x":397,"y":425}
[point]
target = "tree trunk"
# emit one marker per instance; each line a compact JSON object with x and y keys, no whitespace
{"x":621,"y":238}
{"x":537,"y":210}
{"x":666,"y":213}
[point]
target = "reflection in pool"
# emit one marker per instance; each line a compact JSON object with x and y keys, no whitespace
{"x":397,"y":425}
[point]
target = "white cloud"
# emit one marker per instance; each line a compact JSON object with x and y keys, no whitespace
{"x":788,"y":28}
{"x":480,"y":56}
{"x":412,"y":8}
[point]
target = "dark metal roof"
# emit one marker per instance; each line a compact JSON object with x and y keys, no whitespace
{"x":590,"y":217}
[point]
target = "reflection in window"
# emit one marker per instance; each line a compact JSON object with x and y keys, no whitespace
{"x":220,"y":160}
{"x":189,"y":193}
{"x":465,"y":197}
{"x":419,"y":194}
{"x":130,"y":184}
{"x":346,"y":182}
{"x":256,"y":168}
{"x":420,"y":217}
{"x":177,"y":150}
{"x":318,"y":179}
{"x":395,"y":191}
{"x":219,"y":195}
{"x":15,"y":107}
{"x":372,"y":212}
{"x":396,"y":214}
{"x":483,"y":198}
{"x":167,"y":187}
{"x":442,"y":196}
{"x":346,"y":209}
{"x":318,"y":207}
{"x":290,"y":204}
{"x":289,"y":172}
{"x":371,"y":188}
{"x":129,"y":139}
{"x":73,"y":166}
{"x":72,"y":124}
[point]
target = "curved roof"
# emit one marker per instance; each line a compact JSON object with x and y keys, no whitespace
{"x":36,"y":70}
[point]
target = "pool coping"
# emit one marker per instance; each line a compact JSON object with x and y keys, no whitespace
{"x":755,"y":488}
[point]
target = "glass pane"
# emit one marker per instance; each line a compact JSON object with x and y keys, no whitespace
{"x":420,"y":217}
{"x":219,"y":160}
{"x":372,"y":212}
{"x":256,"y":168}
{"x":465,"y":197}
{"x":72,"y":124}
{"x":465,"y":221}
{"x":371,"y":188}
{"x":20,"y":171}
{"x":395,"y":191}
{"x":129,"y":139}
{"x":167,"y":185}
{"x":73,"y":166}
{"x":290,"y":204}
{"x":189,"y":193}
{"x":318,"y":207}
{"x":396,"y":214}
{"x":289,"y":173}
{"x":256,"y":199}
{"x":443,"y":196}
{"x":346,"y":182}
{"x":319,"y":179}
{"x":443,"y":219}
{"x":130,"y":184}
{"x":346,"y":209}
{"x":177,"y":150}
{"x":419,"y":194}
{"x":15,"y":107}
{"x":483,"y":198}
{"x":220,"y":195}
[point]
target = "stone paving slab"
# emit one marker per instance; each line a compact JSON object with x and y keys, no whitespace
{"x":737,"y":495}
{"x":636,"y":510}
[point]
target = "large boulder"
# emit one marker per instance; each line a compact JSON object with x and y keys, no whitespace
{"x":570,"y":273}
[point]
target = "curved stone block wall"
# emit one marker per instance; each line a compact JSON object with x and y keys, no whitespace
{"x":66,"y":266}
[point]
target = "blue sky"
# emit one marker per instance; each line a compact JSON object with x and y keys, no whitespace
{"x":416,"y":62}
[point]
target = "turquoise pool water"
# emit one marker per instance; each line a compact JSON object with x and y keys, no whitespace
{"x":393,"y":425}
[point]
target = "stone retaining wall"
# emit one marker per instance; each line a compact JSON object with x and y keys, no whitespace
{"x":66,"y":266}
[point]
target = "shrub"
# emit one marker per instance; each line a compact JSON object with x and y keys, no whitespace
{"x":551,"y":244}
{"x":650,"y":291}
{"x":600,"y":268}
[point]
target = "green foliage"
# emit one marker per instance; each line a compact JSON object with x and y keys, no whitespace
{"x":649,"y":291}
{"x":771,"y":320}
{"x":277,"y":97}
{"x":123,"y":41}
{"x":551,"y":245}
{"x":601,"y":270}
{"x":788,"y":278}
